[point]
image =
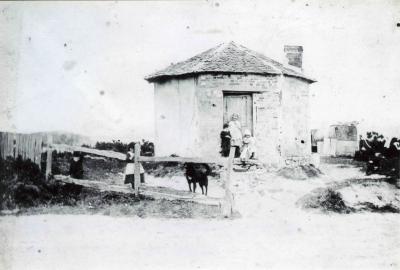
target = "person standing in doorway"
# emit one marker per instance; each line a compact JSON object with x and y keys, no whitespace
{"x":225,"y":136}
{"x":235,"y":128}
{"x":249,"y":147}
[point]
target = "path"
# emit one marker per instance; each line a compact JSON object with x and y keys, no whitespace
{"x":272,"y":234}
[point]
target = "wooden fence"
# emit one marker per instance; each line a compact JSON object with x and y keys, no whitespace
{"x":28,"y":146}
{"x":227,"y":205}
{"x":31,"y":146}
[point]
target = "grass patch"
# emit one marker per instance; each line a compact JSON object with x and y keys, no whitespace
{"x":24,"y":191}
{"x":300,"y":172}
{"x":355,"y":195}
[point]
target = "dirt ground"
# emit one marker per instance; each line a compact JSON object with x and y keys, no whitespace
{"x":272,"y":232}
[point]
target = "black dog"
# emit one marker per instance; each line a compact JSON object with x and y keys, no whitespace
{"x":197,"y":173}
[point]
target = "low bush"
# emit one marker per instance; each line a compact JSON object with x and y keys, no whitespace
{"x":146,"y":147}
{"x":325,"y":199}
{"x":21,"y":183}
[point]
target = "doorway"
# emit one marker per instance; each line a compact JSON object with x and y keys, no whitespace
{"x":242,"y":104}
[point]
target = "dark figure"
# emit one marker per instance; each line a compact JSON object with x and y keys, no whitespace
{"x":380,"y":144}
{"x":360,"y":153}
{"x":360,"y":143}
{"x":373,"y":146}
{"x":374,"y":163}
{"x":76,"y":166}
{"x":392,"y":151}
{"x":383,"y":160}
{"x":225,"y":141}
{"x":197,"y":173}
{"x":391,"y":162}
{"x":147,"y":148}
{"x":367,"y":151}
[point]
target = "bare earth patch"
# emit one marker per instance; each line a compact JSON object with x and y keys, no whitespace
{"x":273,"y":232}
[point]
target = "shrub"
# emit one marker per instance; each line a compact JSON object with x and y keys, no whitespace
{"x":21,"y":183}
{"x":146,"y":147}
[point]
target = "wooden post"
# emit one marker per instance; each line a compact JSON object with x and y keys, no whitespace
{"x":398,"y":176}
{"x":228,"y":200}
{"x":49,"y":155}
{"x":15,"y":154}
{"x":137,"y":169}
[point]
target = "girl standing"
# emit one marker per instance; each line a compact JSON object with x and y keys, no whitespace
{"x":235,"y":128}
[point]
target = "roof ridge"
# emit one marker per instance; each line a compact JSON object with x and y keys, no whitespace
{"x":215,"y":49}
{"x":284,"y":69}
{"x":260,"y":55}
{"x":227,"y":57}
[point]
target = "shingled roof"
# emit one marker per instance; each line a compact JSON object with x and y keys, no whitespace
{"x":227,"y":58}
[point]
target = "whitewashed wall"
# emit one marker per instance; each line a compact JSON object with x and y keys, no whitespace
{"x":175,"y":117}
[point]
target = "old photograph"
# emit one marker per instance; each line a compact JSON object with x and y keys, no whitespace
{"x":204,"y":134}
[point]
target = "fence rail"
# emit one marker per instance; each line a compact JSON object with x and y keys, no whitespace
{"x":104,"y":153}
{"x":121,"y":156}
{"x":31,"y":146}
{"x":227,"y":208}
{"x":111,"y":154}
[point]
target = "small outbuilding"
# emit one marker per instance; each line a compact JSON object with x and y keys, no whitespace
{"x":194,"y":98}
{"x":341,"y":140}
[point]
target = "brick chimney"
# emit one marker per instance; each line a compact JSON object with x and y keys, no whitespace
{"x":294,"y":55}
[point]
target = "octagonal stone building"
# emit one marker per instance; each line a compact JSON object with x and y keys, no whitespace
{"x":194,"y":98}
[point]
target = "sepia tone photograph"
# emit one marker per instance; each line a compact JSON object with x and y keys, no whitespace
{"x":203,"y":134}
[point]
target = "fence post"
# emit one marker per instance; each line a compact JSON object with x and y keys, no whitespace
{"x":14,"y":143}
{"x":228,"y":200}
{"x":49,"y":155}
{"x":137,"y":169}
{"x":398,"y":176}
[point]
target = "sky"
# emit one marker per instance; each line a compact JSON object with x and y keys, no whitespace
{"x":80,"y":66}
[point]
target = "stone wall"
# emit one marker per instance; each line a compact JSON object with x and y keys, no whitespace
{"x":189,"y":115}
{"x":175,"y":117}
{"x":266,"y":101}
{"x":267,"y":108}
{"x":296,"y":136}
